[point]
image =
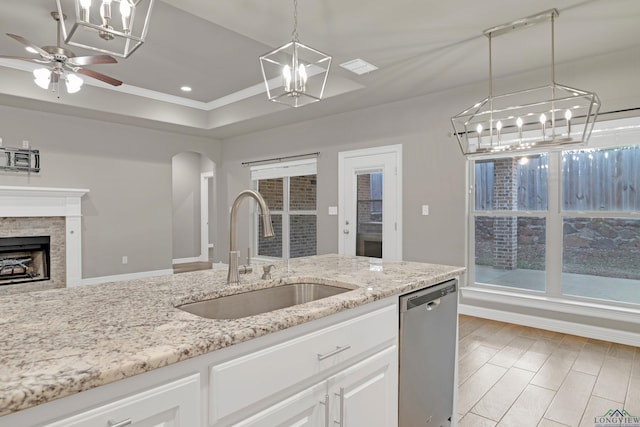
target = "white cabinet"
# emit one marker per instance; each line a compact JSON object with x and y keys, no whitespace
{"x":364,"y":394}
{"x":305,"y":409}
{"x":170,"y":405}
{"x":344,"y":374}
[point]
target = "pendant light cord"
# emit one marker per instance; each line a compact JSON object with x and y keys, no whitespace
{"x":294,"y":34}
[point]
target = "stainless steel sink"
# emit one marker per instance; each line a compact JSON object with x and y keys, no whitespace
{"x":261,"y":300}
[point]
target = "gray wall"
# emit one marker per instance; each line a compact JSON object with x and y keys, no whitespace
{"x":433,"y":167}
{"x":127,"y":169}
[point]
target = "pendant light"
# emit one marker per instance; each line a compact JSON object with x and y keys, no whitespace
{"x":295,"y":74}
{"x":539,"y":118}
{"x":115,"y":27}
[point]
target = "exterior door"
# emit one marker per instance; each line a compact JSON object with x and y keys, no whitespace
{"x":370,"y":197}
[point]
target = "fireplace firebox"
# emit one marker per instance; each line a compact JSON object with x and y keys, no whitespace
{"x":24,"y":259}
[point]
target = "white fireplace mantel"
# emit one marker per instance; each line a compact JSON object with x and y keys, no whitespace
{"x":48,"y":202}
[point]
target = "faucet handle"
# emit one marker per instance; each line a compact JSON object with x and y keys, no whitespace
{"x":266,"y":271}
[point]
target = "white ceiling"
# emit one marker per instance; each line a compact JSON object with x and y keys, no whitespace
{"x":213,"y":46}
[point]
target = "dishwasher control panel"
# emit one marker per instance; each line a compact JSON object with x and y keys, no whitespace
{"x":427,"y":295}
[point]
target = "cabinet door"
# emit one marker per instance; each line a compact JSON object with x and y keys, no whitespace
{"x":305,"y":409}
{"x":176,"y":404}
{"x":366,"y":394}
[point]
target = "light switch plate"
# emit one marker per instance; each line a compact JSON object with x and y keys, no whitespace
{"x":425,"y":209}
{"x":333,"y":210}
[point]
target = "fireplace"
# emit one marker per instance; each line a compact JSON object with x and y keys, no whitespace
{"x":41,"y":211}
{"x":24,"y":259}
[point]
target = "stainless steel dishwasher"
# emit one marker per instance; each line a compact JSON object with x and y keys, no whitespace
{"x":428,"y":322}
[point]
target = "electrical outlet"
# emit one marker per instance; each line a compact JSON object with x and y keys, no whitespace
{"x":125,"y":259}
{"x":25,"y":144}
{"x":425,"y":210}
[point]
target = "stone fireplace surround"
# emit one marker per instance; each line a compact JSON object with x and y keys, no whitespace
{"x":31,"y":211}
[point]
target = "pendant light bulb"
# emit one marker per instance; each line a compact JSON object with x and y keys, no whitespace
{"x":543,"y":118}
{"x":286,"y":74}
{"x":302,"y":75}
{"x":567,"y":115}
{"x":519,"y":122}
{"x":86,"y":6}
{"x":479,"y":128}
{"x":125,"y":8}
{"x":42,"y":77}
{"x":499,"y":125}
{"x":125,"y":12}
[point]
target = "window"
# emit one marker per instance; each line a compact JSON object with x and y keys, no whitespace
{"x":601,"y":239}
{"x":369,"y":214}
{"x":560,"y":223}
{"x":289,"y":189}
{"x":510,"y":221}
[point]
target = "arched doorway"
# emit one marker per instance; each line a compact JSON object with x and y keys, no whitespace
{"x":193,"y":194}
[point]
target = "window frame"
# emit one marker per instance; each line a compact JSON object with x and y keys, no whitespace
{"x":284,"y":170}
{"x":607,"y":135}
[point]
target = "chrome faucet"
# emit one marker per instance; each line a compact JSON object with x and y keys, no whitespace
{"x":233,"y":274}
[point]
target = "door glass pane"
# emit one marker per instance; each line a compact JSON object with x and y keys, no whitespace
{"x":302,"y":235}
{"x":271,"y":191}
{"x":510,"y":251}
{"x":601,"y":258}
{"x":272,"y":246}
{"x":512,"y":183}
{"x":601,"y":180}
{"x":302,"y":193}
{"x":369,"y":215}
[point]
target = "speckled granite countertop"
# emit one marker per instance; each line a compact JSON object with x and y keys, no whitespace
{"x":58,"y":342}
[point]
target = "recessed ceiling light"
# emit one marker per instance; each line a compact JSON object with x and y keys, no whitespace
{"x":358,"y":66}
{"x":30,"y":49}
{"x":186,"y":88}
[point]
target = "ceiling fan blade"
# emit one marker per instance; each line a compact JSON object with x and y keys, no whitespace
{"x":27,"y":43}
{"x":92,"y":60}
{"x":99,"y":76}
{"x":21,"y":58}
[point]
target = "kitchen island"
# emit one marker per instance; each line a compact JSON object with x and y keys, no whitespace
{"x":76,"y":341}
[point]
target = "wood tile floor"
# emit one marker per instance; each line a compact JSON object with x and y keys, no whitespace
{"x":512,"y":375}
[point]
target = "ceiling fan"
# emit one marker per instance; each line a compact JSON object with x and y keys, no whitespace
{"x":62,"y":63}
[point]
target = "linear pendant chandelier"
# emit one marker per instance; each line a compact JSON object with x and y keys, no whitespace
{"x":295,"y":74}
{"x":554,"y":115}
{"x":115,"y":27}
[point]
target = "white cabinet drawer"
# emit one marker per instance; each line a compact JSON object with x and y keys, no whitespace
{"x":173,"y":404}
{"x":246,"y":380}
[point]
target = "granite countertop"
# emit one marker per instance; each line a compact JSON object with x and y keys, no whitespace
{"x":58,"y":342}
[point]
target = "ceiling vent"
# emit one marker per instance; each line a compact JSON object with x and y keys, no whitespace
{"x":358,"y":66}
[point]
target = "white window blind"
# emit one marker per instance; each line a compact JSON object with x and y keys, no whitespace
{"x":284,"y":169}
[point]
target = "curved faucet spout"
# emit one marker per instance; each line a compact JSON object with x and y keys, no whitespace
{"x":232,"y":276}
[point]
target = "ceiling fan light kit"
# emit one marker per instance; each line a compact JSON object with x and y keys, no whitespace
{"x":115,"y":27}
{"x":295,"y":74}
{"x":531,"y":119}
{"x":61,"y":63}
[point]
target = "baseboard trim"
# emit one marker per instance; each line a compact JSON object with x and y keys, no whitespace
{"x":201,"y":258}
{"x":124,"y":277}
{"x":589,"y":331}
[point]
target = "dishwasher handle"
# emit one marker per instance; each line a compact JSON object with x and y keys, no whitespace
{"x":432,"y":305}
